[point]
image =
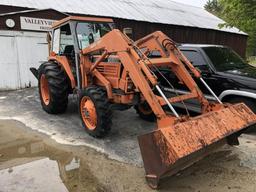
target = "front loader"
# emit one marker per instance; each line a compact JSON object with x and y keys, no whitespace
{"x":107,"y":70}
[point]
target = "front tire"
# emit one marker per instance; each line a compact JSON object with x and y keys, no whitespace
{"x":145,"y":112}
{"x":95,"y":111}
{"x":53,"y":88}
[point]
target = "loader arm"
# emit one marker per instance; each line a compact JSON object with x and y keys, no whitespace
{"x":177,"y":141}
{"x":131,"y":62}
{"x":138,"y":66}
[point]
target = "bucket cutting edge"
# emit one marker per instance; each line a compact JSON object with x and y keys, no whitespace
{"x":168,"y":150}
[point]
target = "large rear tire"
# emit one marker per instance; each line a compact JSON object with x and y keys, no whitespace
{"x":95,"y":111}
{"x":53,"y":88}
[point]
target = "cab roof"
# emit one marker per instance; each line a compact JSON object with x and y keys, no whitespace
{"x":82,"y":18}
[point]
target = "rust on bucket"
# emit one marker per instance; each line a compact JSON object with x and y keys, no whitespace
{"x":173,"y":148}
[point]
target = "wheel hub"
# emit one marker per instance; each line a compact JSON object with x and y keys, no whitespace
{"x":44,"y":87}
{"x":88,"y":111}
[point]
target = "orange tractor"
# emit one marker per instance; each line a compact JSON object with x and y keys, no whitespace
{"x":106,"y":68}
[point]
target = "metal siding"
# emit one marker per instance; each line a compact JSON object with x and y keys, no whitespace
{"x":154,"y":11}
{"x":32,"y":51}
{"x":20,"y":51}
{"x":8,"y":9}
{"x":9,"y":75}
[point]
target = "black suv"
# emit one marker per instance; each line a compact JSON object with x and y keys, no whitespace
{"x":229,"y":76}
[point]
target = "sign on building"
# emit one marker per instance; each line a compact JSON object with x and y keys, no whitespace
{"x":36,"y":24}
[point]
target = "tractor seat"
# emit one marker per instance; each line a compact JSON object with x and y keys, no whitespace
{"x":69,"y":52}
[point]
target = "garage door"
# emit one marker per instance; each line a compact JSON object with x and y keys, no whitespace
{"x":20,"y":51}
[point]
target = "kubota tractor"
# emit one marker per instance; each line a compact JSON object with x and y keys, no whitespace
{"x":106,"y":68}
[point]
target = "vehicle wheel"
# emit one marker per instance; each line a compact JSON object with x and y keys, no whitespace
{"x":145,"y":112}
{"x":53,"y":88}
{"x":249,"y":102}
{"x":95,"y":111}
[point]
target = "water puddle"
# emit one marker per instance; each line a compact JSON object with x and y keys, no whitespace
{"x":31,"y":163}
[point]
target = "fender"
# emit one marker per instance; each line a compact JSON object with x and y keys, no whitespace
{"x":62,"y":60}
{"x":237,"y":93}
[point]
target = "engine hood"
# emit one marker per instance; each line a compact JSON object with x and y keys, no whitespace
{"x":249,"y":72}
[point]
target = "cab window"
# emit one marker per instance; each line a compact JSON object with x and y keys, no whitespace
{"x":196,"y":59}
{"x":56,"y":41}
{"x":63,"y":41}
{"x":88,"y":33}
{"x":66,"y":40}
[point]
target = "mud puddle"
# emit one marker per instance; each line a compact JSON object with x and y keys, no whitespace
{"x":32,"y":162}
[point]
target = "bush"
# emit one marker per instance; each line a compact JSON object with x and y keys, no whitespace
{"x":252,"y":60}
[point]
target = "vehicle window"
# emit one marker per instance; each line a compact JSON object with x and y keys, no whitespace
{"x":66,"y":39}
{"x":56,"y":41}
{"x":88,"y":33}
{"x":194,"y":57}
{"x":224,"y":59}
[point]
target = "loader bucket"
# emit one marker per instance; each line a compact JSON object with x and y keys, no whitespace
{"x":168,"y":150}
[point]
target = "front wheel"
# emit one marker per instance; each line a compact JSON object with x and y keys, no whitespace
{"x":95,"y":111}
{"x":145,"y":112}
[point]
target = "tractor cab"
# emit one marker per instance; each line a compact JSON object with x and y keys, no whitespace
{"x":72,"y":34}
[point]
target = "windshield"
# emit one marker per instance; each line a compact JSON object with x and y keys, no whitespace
{"x":224,"y":59}
{"x":88,"y":33}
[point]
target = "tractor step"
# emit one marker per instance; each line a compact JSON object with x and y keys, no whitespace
{"x":34,"y":71}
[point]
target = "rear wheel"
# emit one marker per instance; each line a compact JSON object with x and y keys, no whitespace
{"x":95,"y":111}
{"x":145,"y":112}
{"x":53,"y":88}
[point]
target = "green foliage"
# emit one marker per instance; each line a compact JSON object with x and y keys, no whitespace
{"x":252,"y":60}
{"x":238,"y":13}
{"x":213,"y":7}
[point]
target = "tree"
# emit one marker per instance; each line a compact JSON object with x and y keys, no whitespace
{"x":213,"y":7}
{"x":237,"y":13}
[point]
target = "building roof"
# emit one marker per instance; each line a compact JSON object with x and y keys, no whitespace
{"x":154,"y":11}
{"x":29,"y":11}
